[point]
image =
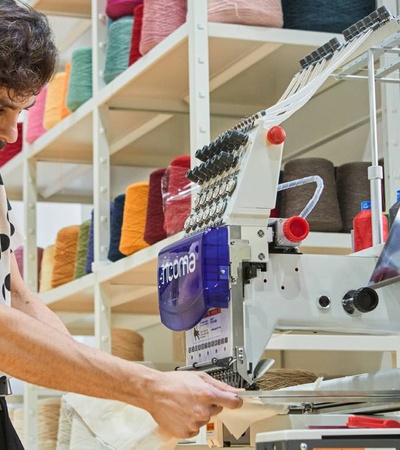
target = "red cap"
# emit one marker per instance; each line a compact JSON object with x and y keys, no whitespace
{"x":276,"y":135}
{"x":296,"y":229}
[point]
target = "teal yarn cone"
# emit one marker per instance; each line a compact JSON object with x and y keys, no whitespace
{"x":80,"y":87}
{"x":118,"y":48}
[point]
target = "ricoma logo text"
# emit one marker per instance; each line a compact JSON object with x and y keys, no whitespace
{"x":179,"y":267}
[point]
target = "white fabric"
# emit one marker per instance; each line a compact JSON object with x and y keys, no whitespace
{"x":117,"y":425}
{"x":10,"y":239}
{"x":253,"y":410}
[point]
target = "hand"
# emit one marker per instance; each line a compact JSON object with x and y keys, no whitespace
{"x":182,"y":402}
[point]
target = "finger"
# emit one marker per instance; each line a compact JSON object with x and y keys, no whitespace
{"x":225,"y":399}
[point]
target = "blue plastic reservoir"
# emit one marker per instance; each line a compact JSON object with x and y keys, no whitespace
{"x":193,"y":276}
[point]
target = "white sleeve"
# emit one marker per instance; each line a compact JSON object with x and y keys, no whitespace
{"x":17,"y":236}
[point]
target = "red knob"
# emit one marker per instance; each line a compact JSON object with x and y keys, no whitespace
{"x":296,"y":229}
{"x":276,"y":135}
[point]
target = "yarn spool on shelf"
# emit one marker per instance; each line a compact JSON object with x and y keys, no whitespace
{"x":353,"y":187}
{"x":65,"y":255}
{"x":48,"y":417}
{"x":134,"y":53}
{"x":118,"y":48}
{"x":90,"y":246}
{"x":34,"y":121}
{"x":12,"y":149}
{"x":19,"y":256}
{"x":127,"y":344}
{"x":176,"y":194}
{"x":326,"y":214}
{"x":160,"y":19}
{"x":18,"y":423}
{"x":324,"y":15}
{"x":54,"y":101}
{"x":81,"y":252}
{"x":116,"y":219}
{"x":64,"y":428}
{"x":115,"y":9}
{"x":65,"y":112}
{"x":46,"y":269}
{"x":134,"y":219}
{"x":266,"y":13}
{"x":154,"y":230}
{"x":80,"y":86}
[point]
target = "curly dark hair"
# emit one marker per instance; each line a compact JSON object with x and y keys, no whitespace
{"x":28,"y":55}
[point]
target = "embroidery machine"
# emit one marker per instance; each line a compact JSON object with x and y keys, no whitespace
{"x":238,"y":275}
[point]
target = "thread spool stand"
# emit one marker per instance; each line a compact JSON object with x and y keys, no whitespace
{"x":350,"y":72}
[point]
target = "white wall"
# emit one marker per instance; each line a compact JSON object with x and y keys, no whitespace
{"x":51,"y":217}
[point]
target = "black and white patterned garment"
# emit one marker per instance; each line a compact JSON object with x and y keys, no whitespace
{"x":10,"y":239}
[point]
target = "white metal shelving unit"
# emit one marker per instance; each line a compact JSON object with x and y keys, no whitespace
{"x":127,"y":120}
{"x":195,"y":84}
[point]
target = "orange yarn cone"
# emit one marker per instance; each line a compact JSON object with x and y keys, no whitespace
{"x":54,"y":101}
{"x":65,"y":255}
{"x":134,"y":219}
{"x":65,"y":111}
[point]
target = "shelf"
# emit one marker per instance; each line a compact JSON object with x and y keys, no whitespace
{"x":145,"y":110}
{"x":74,"y":296}
{"x":75,"y":8}
{"x":146,"y":107}
{"x":130,"y":283}
{"x":70,"y":140}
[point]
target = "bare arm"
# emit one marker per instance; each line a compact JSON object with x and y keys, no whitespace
{"x":35,"y":347}
{"x":25,"y":301}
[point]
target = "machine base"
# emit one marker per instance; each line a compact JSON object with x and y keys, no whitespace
{"x":329,"y":439}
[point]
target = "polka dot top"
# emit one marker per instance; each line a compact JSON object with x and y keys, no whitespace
{"x":10,"y":239}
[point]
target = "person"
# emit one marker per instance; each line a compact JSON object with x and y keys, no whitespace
{"x":35,"y":346}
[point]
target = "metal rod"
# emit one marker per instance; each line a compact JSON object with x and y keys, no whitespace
{"x":375,"y":173}
{"x":361,"y":77}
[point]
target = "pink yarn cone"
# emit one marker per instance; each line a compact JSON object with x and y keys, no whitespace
{"x":115,"y":9}
{"x":35,"y":118}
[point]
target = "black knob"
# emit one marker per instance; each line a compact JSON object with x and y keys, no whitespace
{"x":204,"y":170}
{"x":199,"y":175}
{"x":211,"y":167}
{"x":365,"y":300}
{"x":217,"y":163}
{"x":226,"y":159}
{"x":192,"y":176}
{"x":203,"y":153}
{"x":362,"y":300}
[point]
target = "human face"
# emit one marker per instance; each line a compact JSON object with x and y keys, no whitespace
{"x":10,"y":109}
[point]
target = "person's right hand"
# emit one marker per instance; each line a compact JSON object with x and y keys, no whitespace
{"x":182,"y":402}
